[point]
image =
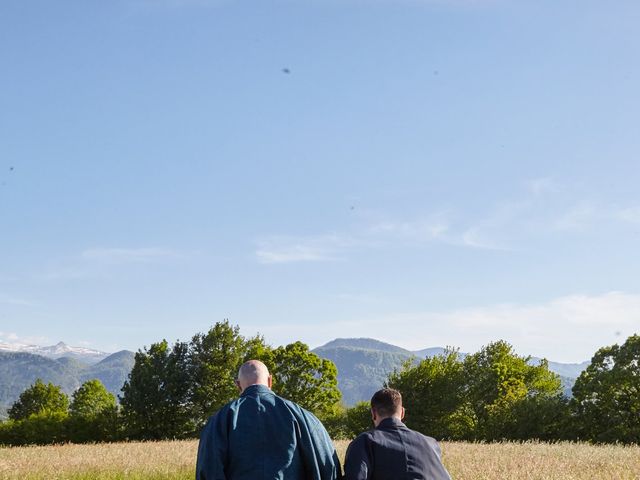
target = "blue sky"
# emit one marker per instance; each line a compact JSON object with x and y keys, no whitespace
{"x":422,"y":172}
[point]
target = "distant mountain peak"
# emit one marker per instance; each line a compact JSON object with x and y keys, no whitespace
{"x":58,"y":350}
{"x":364,"y":344}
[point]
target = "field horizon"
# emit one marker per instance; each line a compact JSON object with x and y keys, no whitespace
{"x":175,"y":460}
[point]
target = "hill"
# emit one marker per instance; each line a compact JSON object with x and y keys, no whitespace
{"x":59,"y":350}
{"x":364,"y":364}
{"x":19,"y":370}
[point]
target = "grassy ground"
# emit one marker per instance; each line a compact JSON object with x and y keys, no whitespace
{"x":175,"y":460}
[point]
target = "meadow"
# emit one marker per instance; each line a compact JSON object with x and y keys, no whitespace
{"x":175,"y":460}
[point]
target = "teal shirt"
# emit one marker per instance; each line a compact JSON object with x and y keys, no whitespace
{"x":261,"y":436}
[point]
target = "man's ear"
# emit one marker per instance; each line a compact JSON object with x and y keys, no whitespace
{"x":374,"y":415}
{"x":402,"y":414}
{"x":237,"y":382}
{"x":270,"y":381}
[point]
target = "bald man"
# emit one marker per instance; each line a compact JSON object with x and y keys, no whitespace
{"x":261,"y":436}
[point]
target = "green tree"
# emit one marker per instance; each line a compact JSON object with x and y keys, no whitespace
{"x":156,"y":397}
{"x":93,"y":414}
{"x":39,"y":428}
{"x":358,"y":419}
{"x":303,"y":377}
{"x":433,"y":396}
{"x":91,"y":400}
{"x":606,"y":396}
{"x":39,"y":399}
{"x":497,"y":380}
{"x":215,"y":358}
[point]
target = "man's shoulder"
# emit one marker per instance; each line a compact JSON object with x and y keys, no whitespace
{"x":298,"y":411}
{"x":422,"y":436}
{"x":366,"y":436}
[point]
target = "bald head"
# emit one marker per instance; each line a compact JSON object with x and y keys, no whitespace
{"x":253,"y":372}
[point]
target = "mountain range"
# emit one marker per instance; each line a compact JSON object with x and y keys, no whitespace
{"x":363,"y":366}
{"x":61,"y":365}
{"x":58,"y":350}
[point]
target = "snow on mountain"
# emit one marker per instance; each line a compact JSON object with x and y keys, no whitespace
{"x":58,"y":350}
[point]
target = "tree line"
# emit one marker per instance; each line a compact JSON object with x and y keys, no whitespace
{"x":491,"y":395}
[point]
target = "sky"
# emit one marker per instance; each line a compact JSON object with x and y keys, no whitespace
{"x":424,"y":172}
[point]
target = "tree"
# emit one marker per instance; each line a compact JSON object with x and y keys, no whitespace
{"x":358,"y":419}
{"x":93,"y":414}
{"x":215,"y":359}
{"x":497,"y":380}
{"x":156,"y":397}
{"x":91,"y":400}
{"x":303,"y":377}
{"x":433,"y":396}
{"x":606,"y":396}
{"x":39,"y":399}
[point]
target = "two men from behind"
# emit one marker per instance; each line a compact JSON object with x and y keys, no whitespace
{"x":392,"y":451}
{"x":261,"y":436}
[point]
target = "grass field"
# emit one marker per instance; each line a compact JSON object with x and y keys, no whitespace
{"x":175,"y":460}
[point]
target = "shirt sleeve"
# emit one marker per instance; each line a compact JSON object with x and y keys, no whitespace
{"x":318,"y":453}
{"x":358,"y":463}
{"x":212,"y":450}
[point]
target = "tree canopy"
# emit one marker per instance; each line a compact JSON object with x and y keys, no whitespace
{"x":39,"y":399}
{"x":606,"y":396}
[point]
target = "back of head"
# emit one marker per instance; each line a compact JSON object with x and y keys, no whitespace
{"x":253,"y":372}
{"x":387,"y":403}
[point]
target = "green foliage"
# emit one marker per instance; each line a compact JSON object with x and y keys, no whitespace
{"x":497,"y":380}
{"x":490,"y":395}
{"x":606,"y":396}
{"x":545,"y":418}
{"x":93,"y":414}
{"x":346,"y":423}
{"x":39,"y":399}
{"x":38,"y":429}
{"x":358,"y":419}
{"x":215,"y":357}
{"x":305,"y":378}
{"x":19,"y":370}
{"x":91,"y":399}
{"x":433,"y":395}
{"x":156,"y":398}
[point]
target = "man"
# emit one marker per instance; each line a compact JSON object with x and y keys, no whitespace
{"x":392,"y":451}
{"x":262,"y":436}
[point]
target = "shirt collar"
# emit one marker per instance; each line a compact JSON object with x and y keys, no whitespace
{"x":255,"y":389}
{"x":391,"y":422}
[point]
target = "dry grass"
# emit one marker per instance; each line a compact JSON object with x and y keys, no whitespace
{"x":175,"y":460}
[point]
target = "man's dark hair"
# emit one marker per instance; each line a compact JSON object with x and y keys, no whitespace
{"x":386,"y":402}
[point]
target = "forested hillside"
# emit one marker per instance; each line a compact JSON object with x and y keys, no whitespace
{"x":19,"y":370}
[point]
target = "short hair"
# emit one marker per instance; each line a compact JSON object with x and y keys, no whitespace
{"x":386,"y":402}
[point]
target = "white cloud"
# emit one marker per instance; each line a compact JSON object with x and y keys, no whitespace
{"x":288,"y":249}
{"x":544,"y":208}
{"x":12,"y":338}
{"x":566,"y":329}
{"x":630,"y":215}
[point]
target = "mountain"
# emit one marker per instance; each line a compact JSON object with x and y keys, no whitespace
{"x":59,"y":350}
{"x":431,"y":352}
{"x":19,"y":370}
{"x":365,"y":363}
